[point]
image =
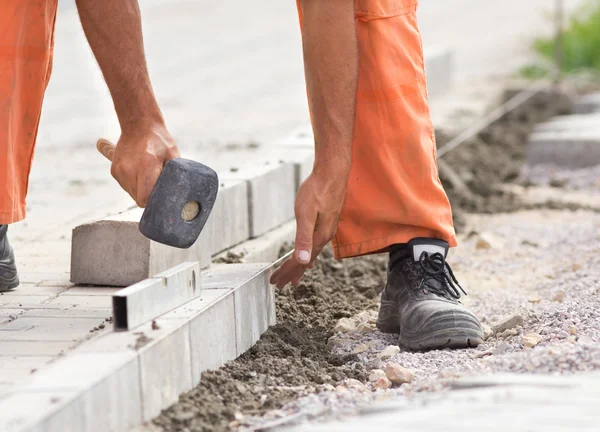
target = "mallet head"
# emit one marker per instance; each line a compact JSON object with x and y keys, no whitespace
{"x":180,"y":203}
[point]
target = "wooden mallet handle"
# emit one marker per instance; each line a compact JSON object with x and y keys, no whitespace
{"x":106,"y":148}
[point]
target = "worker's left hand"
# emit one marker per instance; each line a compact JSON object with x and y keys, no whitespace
{"x":318,"y":206}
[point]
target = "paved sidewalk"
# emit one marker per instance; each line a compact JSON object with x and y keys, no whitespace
{"x":499,"y":403}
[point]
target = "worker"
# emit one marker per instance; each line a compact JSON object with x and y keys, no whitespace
{"x":114,"y":32}
{"x":374,"y":186}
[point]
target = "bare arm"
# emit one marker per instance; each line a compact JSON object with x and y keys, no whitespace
{"x":114,"y":31}
{"x":331,"y":68}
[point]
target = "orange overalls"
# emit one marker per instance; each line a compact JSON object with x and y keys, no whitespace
{"x":26,"y":41}
{"x":394,"y":192}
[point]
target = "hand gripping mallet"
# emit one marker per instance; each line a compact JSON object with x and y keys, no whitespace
{"x":180,"y":202}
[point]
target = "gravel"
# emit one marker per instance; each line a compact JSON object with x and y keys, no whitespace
{"x":540,"y":282}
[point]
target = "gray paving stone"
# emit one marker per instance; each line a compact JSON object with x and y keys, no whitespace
{"x":166,"y":370}
{"x":228,"y":222}
{"x":81,"y":301}
{"x":113,"y":252}
{"x":565,"y":149}
{"x":230,"y":276}
{"x":90,"y":291}
{"x":41,"y":412}
{"x":108,"y":385}
{"x":34,"y":289}
{"x":37,"y":329}
{"x":24,"y":348}
{"x":586,"y":104}
{"x":213,"y":336}
{"x":271,"y":193}
{"x":15,"y":300}
{"x":254,"y":310}
{"x":70,"y":312}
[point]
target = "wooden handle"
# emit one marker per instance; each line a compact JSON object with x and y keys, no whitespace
{"x":106,"y":148}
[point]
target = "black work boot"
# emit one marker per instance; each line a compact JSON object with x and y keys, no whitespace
{"x":8,"y":270}
{"x":421,"y":300}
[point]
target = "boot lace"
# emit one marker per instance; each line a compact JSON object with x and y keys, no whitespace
{"x":433,"y":267}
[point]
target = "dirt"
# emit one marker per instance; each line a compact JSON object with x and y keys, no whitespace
{"x":495,"y":156}
{"x":293,"y":358}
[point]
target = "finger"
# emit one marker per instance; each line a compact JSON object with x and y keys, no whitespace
{"x":305,"y":229}
{"x":324,"y":232}
{"x":145,"y":184}
{"x":290,"y":271}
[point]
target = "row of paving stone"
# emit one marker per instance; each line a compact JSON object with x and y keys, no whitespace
{"x":571,"y":141}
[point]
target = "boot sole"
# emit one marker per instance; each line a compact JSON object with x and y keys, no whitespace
{"x":8,"y":266}
{"x":466,"y":333}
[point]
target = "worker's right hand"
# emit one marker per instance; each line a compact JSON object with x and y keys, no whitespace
{"x":139,"y":158}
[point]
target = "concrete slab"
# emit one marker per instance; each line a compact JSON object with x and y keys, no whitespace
{"x":39,"y":329}
{"x":24,"y":348}
{"x":81,"y":301}
{"x":271,"y":193}
{"x":569,"y":149}
{"x":213,"y":337}
{"x":254,"y":310}
{"x":113,"y":252}
{"x":70,"y":312}
{"x":587,"y":104}
{"x":228,"y":223}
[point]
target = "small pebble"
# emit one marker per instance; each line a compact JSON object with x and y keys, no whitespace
{"x":559,"y":297}
{"x":376,"y":374}
{"x":382,"y":383}
{"x":360,"y":349}
{"x":573,"y":330}
{"x":389,"y":352}
{"x":345,"y":325}
{"x":531,"y":339}
{"x":487,"y":331}
{"x":501,"y":348}
{"x":398,"y":374}
{"x":510,"y":322}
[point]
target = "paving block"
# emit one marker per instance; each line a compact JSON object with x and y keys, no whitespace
{"x":25,"y":348}
{"x":166,"y":371}
{"x":271,"y":194}
{"x":574,"y":150}
{"x":15,"y":300}
{"x":70,"y":312}
{"x":230,"y":276}
{"x":254,"y":309}
{"x":107,"y":385}
{"x":438,"y":69}
{"x":81,"y":301}
{"x":150,"y":298}
{"x":586,"y":104}
{"x":163,"y":350}
{"x":51,"y":411}
{"x":113,"y":252}
{"x":27,"y":328}
{"x":570,"y":123}
{"x":213,"y":336}
{"x":264,"y":249}
{"x":228,"y":223}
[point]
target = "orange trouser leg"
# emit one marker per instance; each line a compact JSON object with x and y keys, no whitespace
{"x":26,"y":39}
{"x":394,"y":192}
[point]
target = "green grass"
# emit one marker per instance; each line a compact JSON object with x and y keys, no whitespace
{"x":581,"y":45}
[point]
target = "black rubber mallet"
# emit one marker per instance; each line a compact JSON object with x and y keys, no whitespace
{"x":180,"y":202}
